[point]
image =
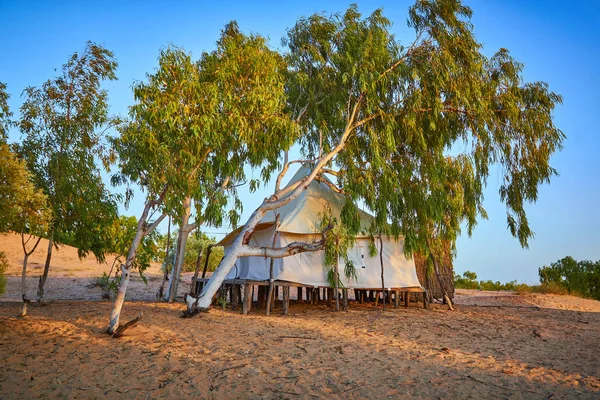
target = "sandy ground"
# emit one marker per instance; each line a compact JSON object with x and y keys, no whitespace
{"x":495,"y":345}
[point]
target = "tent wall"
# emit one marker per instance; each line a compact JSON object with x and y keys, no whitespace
{"x":309,"y":269}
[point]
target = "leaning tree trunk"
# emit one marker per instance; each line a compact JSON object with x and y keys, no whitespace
{"x":203,"y":302}
{"x":142,"y":231}
{"x":42,"y":282}
{"x":337,"y":276}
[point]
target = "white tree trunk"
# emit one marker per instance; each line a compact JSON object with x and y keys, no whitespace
{"x":234,"y":252}
{"x":142,"y":231}
{"x":184,"y":232}
{"x":24,"y":286}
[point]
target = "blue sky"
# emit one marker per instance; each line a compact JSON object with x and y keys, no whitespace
{"x":557,"y":41}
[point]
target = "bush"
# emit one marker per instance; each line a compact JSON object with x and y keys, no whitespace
{"x":3,"y":268}
{"x":576,"y":277}
{"x":107,"y":285}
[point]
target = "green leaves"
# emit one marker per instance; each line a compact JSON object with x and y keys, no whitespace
{"x":23,"y":207}
{"x":197,"y":124}
{"x":406,"y":110}
{"x":64,"y":123}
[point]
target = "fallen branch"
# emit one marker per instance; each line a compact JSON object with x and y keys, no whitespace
{"x":228,"y":368}
{"x":121,"y":329}
{"x":298,"y":337}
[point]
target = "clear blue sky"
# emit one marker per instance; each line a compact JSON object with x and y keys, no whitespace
{"x":558,"y":41}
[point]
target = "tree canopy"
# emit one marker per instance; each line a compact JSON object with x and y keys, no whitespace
{"x":64,"y":124}
{"x":403,"y":111}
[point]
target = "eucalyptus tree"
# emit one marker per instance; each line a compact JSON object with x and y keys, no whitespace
{"x":64,"y":123}
{"x":411,"y":129}
{"x":193,"y":129}
{"x":23,"y":208}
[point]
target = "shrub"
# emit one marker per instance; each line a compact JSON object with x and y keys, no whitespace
{"x":3,"y":268}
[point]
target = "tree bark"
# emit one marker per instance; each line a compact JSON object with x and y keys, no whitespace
{"x":142,"y":231}
{"x":196,"y":271}
{"x":42,"y":282}
{"x":161,"y":290}
{"x":184,"y":232}
{"x":24,"y":286}
{"x":381,"y":261}
{"x":337,"y":277}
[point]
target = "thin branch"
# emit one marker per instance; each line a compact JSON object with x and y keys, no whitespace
{"x":153,"y":226}
{"x":330,"y":184}
{"x":289,"y":250}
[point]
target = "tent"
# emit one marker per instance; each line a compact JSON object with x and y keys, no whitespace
{"x":299,"y":221}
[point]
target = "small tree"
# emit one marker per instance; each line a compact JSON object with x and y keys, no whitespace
{"x":118,"y":239}
{"x":64,"y":123}
{"x":194,"y":128}
{"x":385,"y":116}
{"x":24,"y":208}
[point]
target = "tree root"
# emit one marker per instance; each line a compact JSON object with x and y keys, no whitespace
{"x":121,"y":329}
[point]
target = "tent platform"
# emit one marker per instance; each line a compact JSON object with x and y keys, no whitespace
{"x":235,"y":291}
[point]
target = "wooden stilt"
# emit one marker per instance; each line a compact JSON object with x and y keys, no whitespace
{"x":425,"y":300}
{"x":261,"y":296}
{"x":299,"y":294}
{"x":345,"y":299}
{"x":376,"y":298}
{"x":247,"y":301}
{"x":234,"y":297}
{"x":286,"y":300}
{"x":406,"y":300}
{"x":389,"y":295}
{"x":329,"y":295}
{"x":396,"y":298}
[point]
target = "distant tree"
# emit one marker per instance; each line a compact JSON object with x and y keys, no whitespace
{"x":3,"y":268}
{"x":578,"y":277}
{"x":194,"y":127}
{"x":64,"y":124}
{"x":410,"y":131}
{"x":24,"y":209}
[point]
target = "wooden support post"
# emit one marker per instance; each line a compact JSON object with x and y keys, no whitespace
{"x":345,"y":299}
{"x":396,"y":298}
{"x":389,"y":294}
{"x":406,"y":299}
{"x":376,"y":298}
{"x":286,"y":300}
{"x":329,"y":296}
{"x":269,"y":297}
{"x":261,"y":296}
{"x":299,"y":294}
{"x":234,"y":296}
{"x":247,"y":301}
{"x":425,"y":300}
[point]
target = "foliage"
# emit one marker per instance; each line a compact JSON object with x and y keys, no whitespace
{"x":414,"y":129}
{"x":5,"y":113}
{"x":338,"y":240}
{"x":196,"y":241}
{"x":581,"y":277}
{"x":3,"y":268}
{"x":64,"y":123}
{"x":107,"y":284}
{"x":24,"y":207}
{"x":196,"y":124}
{"x":119,"y":236}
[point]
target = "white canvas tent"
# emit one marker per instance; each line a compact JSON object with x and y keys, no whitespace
{"x":299,"y":222}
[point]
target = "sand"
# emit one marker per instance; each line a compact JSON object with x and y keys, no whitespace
{"x":495,"y":345}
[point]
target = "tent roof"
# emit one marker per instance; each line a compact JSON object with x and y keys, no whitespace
{"x":303,"y":215}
